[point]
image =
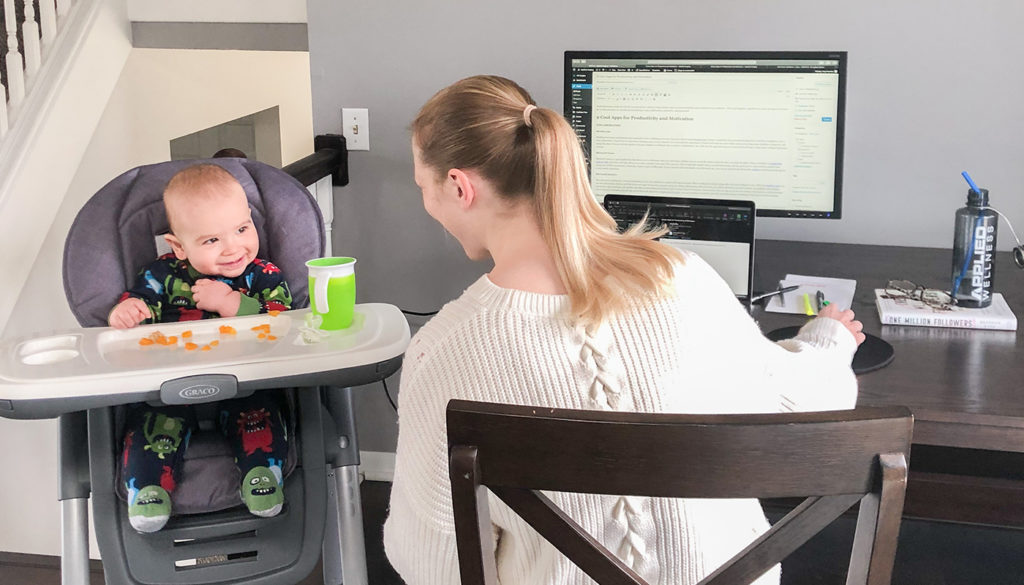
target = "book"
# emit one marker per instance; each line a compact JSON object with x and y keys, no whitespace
{"x":904,"y":311}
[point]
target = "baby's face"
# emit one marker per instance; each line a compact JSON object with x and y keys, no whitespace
{"x":217,"y":235}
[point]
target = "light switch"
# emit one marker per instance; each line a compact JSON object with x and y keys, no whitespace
{"x":355,"y":123}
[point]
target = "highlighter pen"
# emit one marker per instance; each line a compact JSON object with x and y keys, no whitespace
{"x":808,"y":310}
{"x":781,"y":291}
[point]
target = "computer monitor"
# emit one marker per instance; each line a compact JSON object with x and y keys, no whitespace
{"x":760,"y":126}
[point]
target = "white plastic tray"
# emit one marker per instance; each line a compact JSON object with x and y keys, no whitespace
{"x":101,"y":361}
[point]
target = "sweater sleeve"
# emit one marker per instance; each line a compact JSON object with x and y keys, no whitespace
{"x":751,"y":373}
{"x":419,"y":534}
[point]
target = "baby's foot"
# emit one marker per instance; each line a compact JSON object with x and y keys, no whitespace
{"x":262,"y":492}
{"x":149,"y":508}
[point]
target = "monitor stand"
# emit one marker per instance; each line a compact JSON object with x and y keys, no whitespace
{"x":873,"y":354}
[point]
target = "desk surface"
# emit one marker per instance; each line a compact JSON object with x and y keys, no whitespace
{"x":965,"y":387}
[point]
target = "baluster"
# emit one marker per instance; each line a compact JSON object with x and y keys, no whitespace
{"x":48,"y":21}
{"x":15,"y":67}
{"x":30,"y":39}
{"x":3,"y":111}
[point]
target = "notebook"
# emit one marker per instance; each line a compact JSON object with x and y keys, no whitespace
{"x":720,"y":231}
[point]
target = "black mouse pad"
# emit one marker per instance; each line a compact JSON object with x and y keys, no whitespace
{"x":873,"y":354}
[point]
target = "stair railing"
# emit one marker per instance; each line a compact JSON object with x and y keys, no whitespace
{"x":24,"y":42}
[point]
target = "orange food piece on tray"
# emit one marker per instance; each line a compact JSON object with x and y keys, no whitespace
{"x":205,"y":348}
{"x":264,"y":328}
{"x":145,"y":341}
{"x":172,"y":340}
{"x":189,"y":346}
{"x":262,"y":336}
{"x":271,"y":338}
{"x":273,"y":313}
{"x":214,"y":343}
{"x":186,"y":334}
{"x":227,"y":330}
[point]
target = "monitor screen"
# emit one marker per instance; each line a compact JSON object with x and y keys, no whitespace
{"x":760,"y":126}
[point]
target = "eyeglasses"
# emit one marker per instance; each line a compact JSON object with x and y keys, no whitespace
{"x":933,"y":297}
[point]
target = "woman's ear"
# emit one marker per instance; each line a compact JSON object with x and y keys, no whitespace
{"x":463,"y":183}
{"x":176,"y":247}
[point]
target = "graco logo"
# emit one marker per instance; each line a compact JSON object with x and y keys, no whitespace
{"x":199,"y":392}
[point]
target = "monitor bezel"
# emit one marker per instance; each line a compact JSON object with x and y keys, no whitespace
{"x":841,"y":56}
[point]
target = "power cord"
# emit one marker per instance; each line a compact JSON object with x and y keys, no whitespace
{"x":388,"y":394}
{"x":384,"y":381}
{"x":416,"y":314}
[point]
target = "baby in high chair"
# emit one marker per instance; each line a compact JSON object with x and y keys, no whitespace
{"x":212,"y":272}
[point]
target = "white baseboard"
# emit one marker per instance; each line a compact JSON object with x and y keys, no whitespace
{"x":377,"y":465}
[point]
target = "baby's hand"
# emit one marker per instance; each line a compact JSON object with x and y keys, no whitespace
{"x":846,"y":318}
{"x":216,"y":297}
{"x":128,"y":313}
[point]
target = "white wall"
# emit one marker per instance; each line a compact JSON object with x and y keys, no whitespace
{"x":934,"y":89}
{"x":161,"y":94}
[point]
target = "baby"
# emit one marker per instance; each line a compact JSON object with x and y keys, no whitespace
{"x":212,"y":272}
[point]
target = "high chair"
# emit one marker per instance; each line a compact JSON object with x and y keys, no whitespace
{"x":86,"y":376}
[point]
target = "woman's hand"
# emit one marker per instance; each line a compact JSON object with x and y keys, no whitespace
{"x":846,"y":318}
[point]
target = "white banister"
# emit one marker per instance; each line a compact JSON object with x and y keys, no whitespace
{"x":48,"y":21}
{"x":13,"y":62}
{"x":30,"y":39}
{"x":3,"y":111}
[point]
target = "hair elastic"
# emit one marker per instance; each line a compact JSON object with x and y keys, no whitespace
{"x":526,"y":114}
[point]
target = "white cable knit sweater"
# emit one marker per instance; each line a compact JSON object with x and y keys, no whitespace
{"x":698,"y":352}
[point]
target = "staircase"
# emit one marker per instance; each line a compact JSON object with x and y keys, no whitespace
{"x":61,"y":60}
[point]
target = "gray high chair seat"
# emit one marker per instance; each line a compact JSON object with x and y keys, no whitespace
{"x":113,"y":236}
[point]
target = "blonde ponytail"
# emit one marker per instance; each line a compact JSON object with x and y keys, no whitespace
{"x":486,"y":123}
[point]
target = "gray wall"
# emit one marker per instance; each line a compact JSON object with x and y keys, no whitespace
{"x":934,"y":88}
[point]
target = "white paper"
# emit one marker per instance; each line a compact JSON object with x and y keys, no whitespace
{"x":837,"y":291}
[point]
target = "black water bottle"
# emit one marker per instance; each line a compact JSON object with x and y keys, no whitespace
{"x":974,"y":245}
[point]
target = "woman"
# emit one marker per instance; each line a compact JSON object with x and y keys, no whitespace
{"x":574,"y":315}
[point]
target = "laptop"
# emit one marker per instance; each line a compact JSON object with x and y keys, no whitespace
{"x":721,"y":231}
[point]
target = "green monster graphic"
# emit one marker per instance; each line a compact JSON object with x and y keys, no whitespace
{"x":261,"y":492}
{"x":163,"y":436}
{"x":179,"y":292}
{"x":151,"y":501}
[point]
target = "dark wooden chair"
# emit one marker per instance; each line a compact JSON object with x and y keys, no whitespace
{"x":834,"y":459}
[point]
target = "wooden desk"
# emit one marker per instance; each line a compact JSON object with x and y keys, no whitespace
{"x":965,"y":387}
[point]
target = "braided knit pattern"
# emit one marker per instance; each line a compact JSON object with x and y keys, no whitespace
{"x":695,"y":351}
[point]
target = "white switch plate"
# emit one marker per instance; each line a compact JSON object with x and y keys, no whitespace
{"x":355,"y":125}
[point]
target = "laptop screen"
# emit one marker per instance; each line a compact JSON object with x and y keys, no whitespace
{"x":719,"y":231}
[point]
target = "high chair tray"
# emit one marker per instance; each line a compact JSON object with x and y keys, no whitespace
{"x":44,"y":376}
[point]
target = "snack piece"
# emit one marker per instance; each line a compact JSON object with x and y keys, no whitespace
{"x":227,"y":330}
{"x":146,"y":341}
{"x":205,"y":348}
{"x":271,"y":337}
{"x":186,"y":334}
{"x":264,"y":328}
{"x":189,"y":346}
{"x":274,"y":313}
{"x":214,"y":343}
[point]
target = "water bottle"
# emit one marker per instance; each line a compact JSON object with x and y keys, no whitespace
{"x":974,"y":245}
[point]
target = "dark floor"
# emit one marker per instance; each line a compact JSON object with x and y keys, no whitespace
{"x":930,"y":553}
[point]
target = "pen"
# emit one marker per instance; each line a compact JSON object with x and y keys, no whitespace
{"x":780,"y":291}
{"x":821,"y":300}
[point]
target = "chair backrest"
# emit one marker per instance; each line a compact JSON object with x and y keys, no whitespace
{"x":114,"y":234}
{"x":835,"y":459}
